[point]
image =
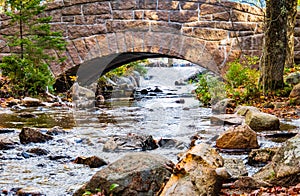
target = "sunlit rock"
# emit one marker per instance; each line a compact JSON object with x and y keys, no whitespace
{"x":259,"y":121}
{"x":199,"y":172}
{"x":92,"y":162}
{"x":240,"y":137}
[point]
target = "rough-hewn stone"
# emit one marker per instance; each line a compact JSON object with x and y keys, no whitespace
{"x":211,"y":21}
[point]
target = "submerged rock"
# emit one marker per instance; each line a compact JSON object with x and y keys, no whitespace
{"x":134,"y":174}
{"x":259,"y":121}
{"x":56,"y":131}
{"x":38,"y":151}
{"x":32,"y":191}
{"x":92,"y":162}
{"x":130,"y":142}
{"x":29,"y":135}
{"x":31,"y":102}
{"x":199,"y":172}
{"x":6,"y":143}
{"x":240,"y":137}
{"x":284,"y":169}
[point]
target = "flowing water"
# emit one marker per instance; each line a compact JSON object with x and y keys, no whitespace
{"x":174,"y":115}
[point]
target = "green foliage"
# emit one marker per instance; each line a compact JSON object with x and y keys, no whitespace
{"x":34,"y":43}
{"x":242,"y":80}
{"x":126,"y":69}
{"x":209,"y":89}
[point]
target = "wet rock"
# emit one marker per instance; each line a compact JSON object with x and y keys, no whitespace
{"x":246,"y":182}
{"x":56,"y":131}
{"x":240,"y":137}
{"x":226,"y":119}
{"x":59,"y":157}
{"x":92,"y":162}
{"x":38,"y":151}
{"x":259,"y":121}
{"x":81,"y":93}
{"x":31,"y":102}
{"x":135,"y":174}
{"x":32,"y":191}
{"x":27,"y":115}
{"x":284,"y":169}
{"x":223,"y":106}
{"x":235,"y":168}
{"x":295,"y":95}
{"x":170,"y":143}
{"x":180,"y":101}
{"x":6,"y":143}
{"x":3,"y":131}
{"x":293,"y":78}
{"x":242,"y":110}
{"x":180,"y":82}
{"x":130,"y":142}
{"x":199,"y":172}
{"x":29,"y":135}
{"x":13,"y":102}
{"x":259,"y":157}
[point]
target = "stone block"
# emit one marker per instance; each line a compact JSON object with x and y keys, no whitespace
{"x":124,"y":4}
{"x":147,"y":4}
{"x":210,"y":24}
{"x":81,"y":48}
{"x":223,"y":16}
{"x":238,"y":16}
{"x":210,"y":34}
{"x":72,"y":10}
{"x":121,"y":42}
{"x":103,"y":45}
{"x":92,"y":46}
{"x":129,"y":41}
{"x":192,"y":48}
{"x":96,"y":8}
{"x":183,"y":16}
{"x":156,"y":15}
{"x":124,"y":14}
{"x":68,"y":19}
{"x":138,"y":14}
{"x":138,"y":41}
{"x":112,"y":43}
{"x":177,"y":44}
{"x":78,"y":31}
{"x":119,"y":26}
{"x":206,"y":9}
{"x":168,"y":5}
{"x":189,"y":6}
{"x":73,"y":53}
{"x":165,"y":27}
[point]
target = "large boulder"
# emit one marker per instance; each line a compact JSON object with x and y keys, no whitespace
{"x":135,"y":174}
{"x":295,"y":94}
{"x":199,"y":172}
{"x":259,"y":121}
{"x":293,"y":78}
{"x":239,"y":137}
{"x":29,"y":135}
{"x":284,"y":169}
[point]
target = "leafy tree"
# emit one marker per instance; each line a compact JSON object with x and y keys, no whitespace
{"x":278,"y":48}
{"x":34,"y":43}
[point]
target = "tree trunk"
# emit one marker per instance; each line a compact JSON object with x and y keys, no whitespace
{"x":278,"y":48}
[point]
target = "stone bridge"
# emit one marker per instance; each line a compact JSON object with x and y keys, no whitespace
{"x":102,"y":34}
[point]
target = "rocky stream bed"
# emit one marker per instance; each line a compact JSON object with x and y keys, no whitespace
{"x":78,"y":144}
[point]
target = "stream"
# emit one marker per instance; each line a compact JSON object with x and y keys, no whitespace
{"x":174,"y":114}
